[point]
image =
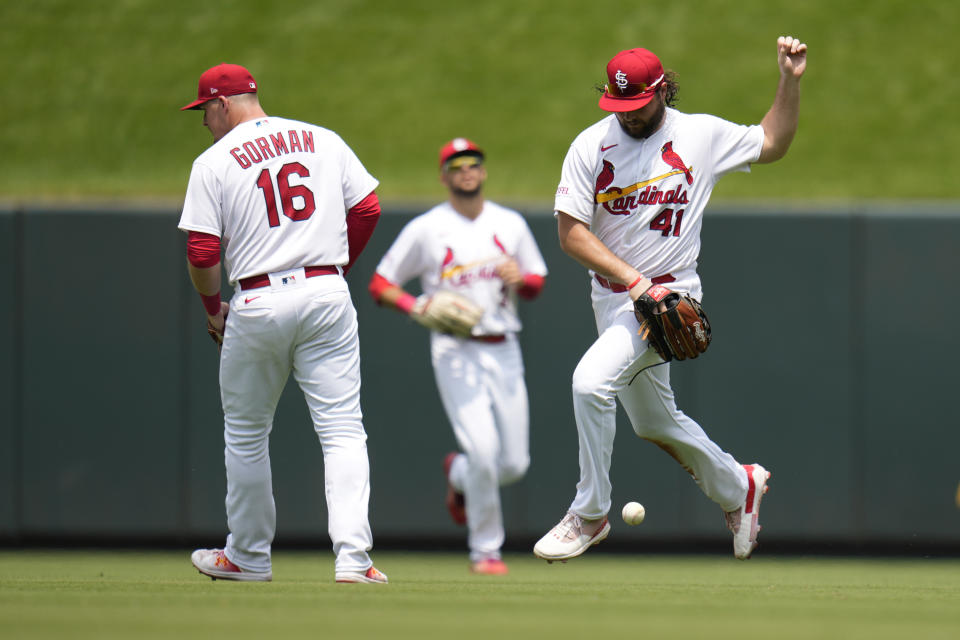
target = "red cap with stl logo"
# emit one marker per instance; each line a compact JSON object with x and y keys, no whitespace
{"x":633,"y":76}
{"x":222,"y":80}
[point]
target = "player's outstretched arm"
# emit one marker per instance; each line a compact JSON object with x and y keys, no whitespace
{"x":780,"y":123}
{"x":390,"y":295}
{"x":444,"y":311}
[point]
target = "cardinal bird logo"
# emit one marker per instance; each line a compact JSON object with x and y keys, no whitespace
{"x":605,"y":179}
{"x":671,"y":158}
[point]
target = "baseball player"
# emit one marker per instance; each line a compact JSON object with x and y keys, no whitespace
{"x":291,"y":207}
{"x":629,"y":207}
{"x":485,"y":253}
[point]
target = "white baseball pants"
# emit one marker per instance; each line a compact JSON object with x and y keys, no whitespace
{"x":484,"y":395}
{"x":307,"y":326}
{"x":603,"y":375}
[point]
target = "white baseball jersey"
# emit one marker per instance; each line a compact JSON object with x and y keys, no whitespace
{"x":481,"y":384}
{"x":644,"y":199}
{"x":276,"y":192}
{"x":447,"y":250}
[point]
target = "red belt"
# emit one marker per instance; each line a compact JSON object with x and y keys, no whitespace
{"x":262,"y":280}
{"x":488,"y":338}
{"x":616,"y":287}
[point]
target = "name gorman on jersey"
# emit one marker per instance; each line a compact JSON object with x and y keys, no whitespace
{"x":263,"y":148}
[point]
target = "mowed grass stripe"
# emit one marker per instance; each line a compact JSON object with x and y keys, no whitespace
{"x":159,"y":595}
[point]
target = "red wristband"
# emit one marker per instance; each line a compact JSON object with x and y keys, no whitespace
{"x":532,"y":284}
{"x":405,"y":302}
{"x":211,"y":303}
{"x":634,"y":283}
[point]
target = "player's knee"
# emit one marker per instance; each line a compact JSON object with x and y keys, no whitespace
{"x":341,"y":438}
{"x":247,"y":439}
{"x":483,"y":466}
{"x":652,"y":423}
{"x":589,"y":387}
{"x":513,"y":471}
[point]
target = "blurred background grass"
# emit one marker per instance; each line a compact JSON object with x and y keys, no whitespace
{"x":92,"y":89}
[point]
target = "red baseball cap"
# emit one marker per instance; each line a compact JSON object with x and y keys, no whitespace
{"x":459,"y":147}
{"x":222,"y":80}
{"x":633,"y":76}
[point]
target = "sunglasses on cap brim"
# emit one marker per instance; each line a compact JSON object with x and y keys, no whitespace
{"x":632,"y":90}
{"x":463,"y":162}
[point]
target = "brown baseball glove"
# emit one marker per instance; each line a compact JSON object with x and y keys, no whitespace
{"x":674,"y":324}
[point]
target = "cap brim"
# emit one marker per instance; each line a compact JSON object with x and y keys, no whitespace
{"x":619,"y":105}
{"x":195,"y":104}
{"x":466,"y":152}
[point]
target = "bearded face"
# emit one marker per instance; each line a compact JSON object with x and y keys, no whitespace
{"x":643,"y":122}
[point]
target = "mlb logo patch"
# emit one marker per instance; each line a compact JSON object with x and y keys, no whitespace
{"x":288,"y":280}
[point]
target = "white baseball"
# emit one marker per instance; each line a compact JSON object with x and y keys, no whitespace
{"x":633,"y":513}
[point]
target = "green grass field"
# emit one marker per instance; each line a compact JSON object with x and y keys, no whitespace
{"x":126,"y":594}
{"x":92,"y":89}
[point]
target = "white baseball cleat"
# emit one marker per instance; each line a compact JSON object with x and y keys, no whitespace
{"x":745,"y":521}
{"x":370,"y":576}
{"x":572,"y":536}
{"x":216,"y":564}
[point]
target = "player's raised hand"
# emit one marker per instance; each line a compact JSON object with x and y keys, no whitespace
{"x":791,"y":56}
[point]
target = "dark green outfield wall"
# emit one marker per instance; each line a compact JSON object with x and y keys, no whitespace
{"x":833,"y":364}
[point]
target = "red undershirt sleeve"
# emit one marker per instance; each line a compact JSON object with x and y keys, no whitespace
{"x":203,"y":252}
{"x":361,"y":220}
{"x":379,"y":284}
{"x":203,"y":249}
